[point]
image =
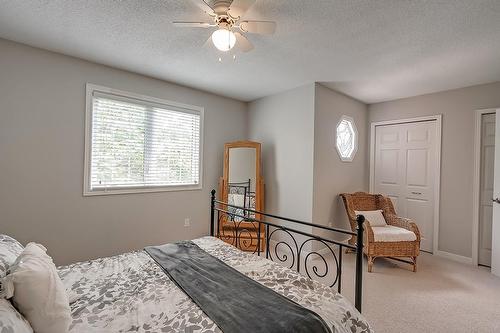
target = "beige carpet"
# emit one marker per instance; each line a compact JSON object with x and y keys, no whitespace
{"x":442,"y":296}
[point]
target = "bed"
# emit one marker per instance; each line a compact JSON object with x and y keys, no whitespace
{"x":132,"y":292}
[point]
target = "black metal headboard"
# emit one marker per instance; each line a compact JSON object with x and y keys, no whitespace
{"x":264,"y":231}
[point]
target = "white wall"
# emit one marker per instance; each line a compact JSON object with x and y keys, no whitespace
{"x":284,"y":124}
{"x":457,"y":159}
{"x":331,"y":175}
{"x":42,"y":107}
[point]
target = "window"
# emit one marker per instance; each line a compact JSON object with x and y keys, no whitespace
{"x":140,"y":144}
{"x":346,"y":139}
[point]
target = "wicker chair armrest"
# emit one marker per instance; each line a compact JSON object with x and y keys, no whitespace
{"x":368,"y":232}
{"x":404,"y":223}
{"x":351,"y":216}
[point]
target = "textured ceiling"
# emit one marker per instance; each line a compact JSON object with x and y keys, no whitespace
{"x":371,"y":50}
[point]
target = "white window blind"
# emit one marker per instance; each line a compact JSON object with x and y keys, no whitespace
{"x":141,"y":144}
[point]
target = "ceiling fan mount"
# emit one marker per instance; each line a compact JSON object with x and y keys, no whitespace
{"x":224,"y":21}
{"x":221,"y":7}
{"x":226,"y":17}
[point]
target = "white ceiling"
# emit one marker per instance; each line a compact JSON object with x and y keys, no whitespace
{"x":372,"y":50}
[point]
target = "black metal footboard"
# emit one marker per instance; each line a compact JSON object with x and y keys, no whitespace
{"x":282,"y":239}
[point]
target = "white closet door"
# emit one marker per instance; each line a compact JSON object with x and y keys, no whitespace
{"x":390,"y":164}
{"x":405,"y":167}
{"x":486,"y":187}
{"x":495,"y":228}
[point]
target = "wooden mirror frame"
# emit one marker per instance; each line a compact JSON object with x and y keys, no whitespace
{"x":259,"y":193}
{"x":259,"y":181}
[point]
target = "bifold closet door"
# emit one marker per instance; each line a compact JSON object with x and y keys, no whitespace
{"x":405,"y":170}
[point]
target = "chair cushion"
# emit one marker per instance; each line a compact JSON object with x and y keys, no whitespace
{"x":375,"y":217}
{"x":391,"y":233}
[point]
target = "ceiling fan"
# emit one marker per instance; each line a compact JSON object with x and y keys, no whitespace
{"x":226,"y":18}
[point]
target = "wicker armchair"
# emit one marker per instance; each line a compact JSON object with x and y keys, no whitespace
{"x":362,"y":201}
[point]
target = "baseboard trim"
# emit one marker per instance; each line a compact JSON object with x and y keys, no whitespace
{"x":454,"y":257}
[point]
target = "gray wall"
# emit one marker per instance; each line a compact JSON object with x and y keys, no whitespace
{"x":331,"y":175}
{"x":284,"y":124}
{"x":242,"y":166}
{"x":42,"y":105}
{"x":457,"y":107}
{"x":302,"y":169}
{"x":42,"y":100}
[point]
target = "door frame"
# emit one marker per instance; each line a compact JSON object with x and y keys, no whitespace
{"x":476,"y":183}
{"x":437,"y":167}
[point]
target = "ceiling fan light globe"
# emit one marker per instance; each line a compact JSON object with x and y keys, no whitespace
{"x":223,"y":39}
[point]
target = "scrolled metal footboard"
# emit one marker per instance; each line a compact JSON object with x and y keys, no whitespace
{"x":285,"y":242}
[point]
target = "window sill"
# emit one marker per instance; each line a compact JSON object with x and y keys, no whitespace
{"x":90,"y":193}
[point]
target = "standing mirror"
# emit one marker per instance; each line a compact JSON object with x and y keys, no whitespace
{"x":242,"y":186}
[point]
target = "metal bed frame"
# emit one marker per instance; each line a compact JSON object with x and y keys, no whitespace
{"x":219,"y":213}
{"x":246,"y":191}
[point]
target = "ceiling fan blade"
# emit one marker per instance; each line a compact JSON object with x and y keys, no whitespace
{"x":243,"y":43}
{"x":258,"y":27}
{"x":203,"y":6}
{"x":192,"y":24}
{"x":240,"y":7}
{"x":208,"y":42}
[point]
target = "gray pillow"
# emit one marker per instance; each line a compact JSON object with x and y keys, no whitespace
{"x":10,"y":249}
{"x":11,"y":320}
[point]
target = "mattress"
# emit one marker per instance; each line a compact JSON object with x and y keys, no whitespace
{"x":131,"y":293}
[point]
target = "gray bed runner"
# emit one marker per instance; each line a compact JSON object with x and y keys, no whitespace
{"x":235,"y":302}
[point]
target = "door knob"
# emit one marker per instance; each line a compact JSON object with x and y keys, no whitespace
{"x":496,"y":200}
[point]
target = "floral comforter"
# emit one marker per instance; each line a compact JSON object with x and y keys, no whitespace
{"x":131,"y":293}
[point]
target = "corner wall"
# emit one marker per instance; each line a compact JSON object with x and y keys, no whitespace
{"x":284,"y":124}
{"x":331,"y":175}
{"x":303,"y":172}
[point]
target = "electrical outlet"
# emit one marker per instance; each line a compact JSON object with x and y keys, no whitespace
{"x":187,"y":222}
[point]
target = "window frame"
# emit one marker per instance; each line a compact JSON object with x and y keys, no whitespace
{"x":356,"y":137}
{"x":90,"y":89}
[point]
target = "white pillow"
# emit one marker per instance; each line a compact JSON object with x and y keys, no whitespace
{"x":375,"y":217}
{"x":38,"y":292}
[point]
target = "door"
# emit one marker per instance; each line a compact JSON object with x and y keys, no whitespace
{"x":486,"y":187}
{"x":405,"y":168}
{"x":495,"y":225}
